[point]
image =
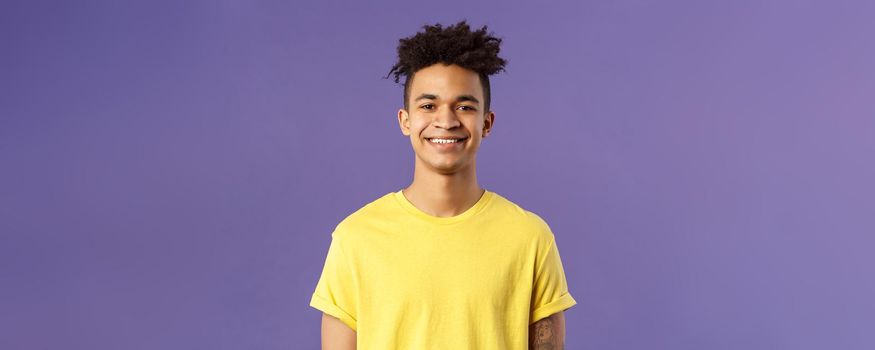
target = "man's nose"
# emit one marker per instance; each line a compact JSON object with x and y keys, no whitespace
{"x":446,"y":118}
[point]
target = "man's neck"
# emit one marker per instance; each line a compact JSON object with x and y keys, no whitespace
{"x":443,"y":195}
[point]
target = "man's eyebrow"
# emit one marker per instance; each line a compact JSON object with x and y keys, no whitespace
{"x":459,"y":98}
{"x":425,"y":96}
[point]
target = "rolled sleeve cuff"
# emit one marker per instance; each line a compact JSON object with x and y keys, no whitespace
{"x":330,"y":308}
{"x":564,"y":302}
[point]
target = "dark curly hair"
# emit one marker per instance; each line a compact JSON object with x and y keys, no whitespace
{"x":455,"y":44}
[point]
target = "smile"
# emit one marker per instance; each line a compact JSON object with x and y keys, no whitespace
{"x":445,"y":141}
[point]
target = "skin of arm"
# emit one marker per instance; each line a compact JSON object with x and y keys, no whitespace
{"x":548,"y":333}
{"x":336,"y":335}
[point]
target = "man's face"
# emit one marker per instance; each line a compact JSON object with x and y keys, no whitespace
{"x":445,"y":102}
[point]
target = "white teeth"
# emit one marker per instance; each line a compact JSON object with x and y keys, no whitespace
{"x":445,"y":140}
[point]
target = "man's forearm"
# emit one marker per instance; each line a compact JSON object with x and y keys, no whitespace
{"x":548,"y":333}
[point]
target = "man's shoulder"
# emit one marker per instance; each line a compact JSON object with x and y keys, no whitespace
{"x":509,"y":210}
{"x":375,"y":210}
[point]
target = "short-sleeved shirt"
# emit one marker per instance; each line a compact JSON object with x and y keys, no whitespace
{"x":404,"y":279}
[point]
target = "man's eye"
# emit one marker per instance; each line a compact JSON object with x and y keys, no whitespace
{"x":428,"y":106}
{"x":468,"y":107}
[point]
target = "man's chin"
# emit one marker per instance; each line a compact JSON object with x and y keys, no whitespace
{"x":442,"y":166}
{"x":446,"y":168}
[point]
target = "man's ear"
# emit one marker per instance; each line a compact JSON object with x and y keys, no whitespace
{"x":404,"y":121}
{"x":488,"y":120}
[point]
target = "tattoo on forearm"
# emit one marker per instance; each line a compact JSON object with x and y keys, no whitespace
{"x":546,"y":335}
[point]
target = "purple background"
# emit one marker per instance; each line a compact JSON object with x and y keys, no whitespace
{"x":170,"y":172}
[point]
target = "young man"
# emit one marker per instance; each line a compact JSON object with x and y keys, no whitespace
{"x":443,"y":263}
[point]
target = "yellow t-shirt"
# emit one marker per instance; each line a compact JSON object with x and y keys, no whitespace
{"x":404,"y":279}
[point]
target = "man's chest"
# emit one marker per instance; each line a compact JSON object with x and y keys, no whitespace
{"x":438,"y":274}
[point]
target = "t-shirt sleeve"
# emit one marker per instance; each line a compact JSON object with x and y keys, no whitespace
{"x":550,"y":290}
{"x":336,"y":292}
